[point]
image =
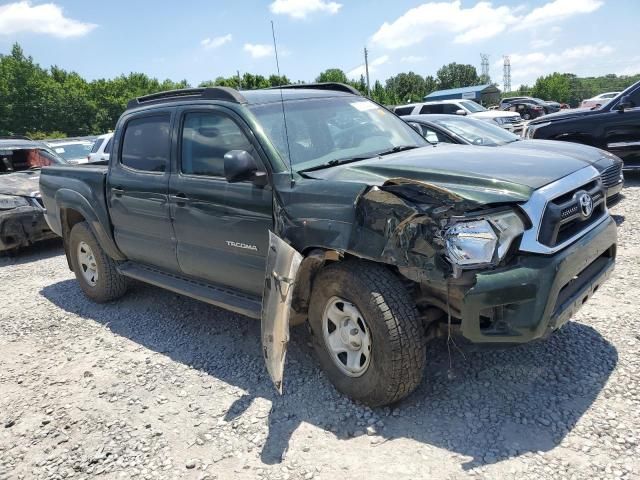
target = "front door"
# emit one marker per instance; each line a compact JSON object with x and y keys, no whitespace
{"x":222,"y":228}
{"x":622,"y":132}
{"x":137,"y":190}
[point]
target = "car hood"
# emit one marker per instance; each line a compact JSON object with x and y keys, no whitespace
{"x":24,"y":184}
{"x":564,"y":114}
{"x":493,"y":114}
{"x":486,"y":175}
{"x":585,"y":153}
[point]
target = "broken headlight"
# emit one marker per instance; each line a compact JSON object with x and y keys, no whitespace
{"x":482,"y":241}
{"x":8,"y":202}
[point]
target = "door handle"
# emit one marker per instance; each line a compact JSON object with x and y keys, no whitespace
{"x":117,"y":191}
{"x":180,"y":199}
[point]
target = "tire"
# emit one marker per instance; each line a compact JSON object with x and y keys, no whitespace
{"x":397,"y":345}
{"x":108,"y":284}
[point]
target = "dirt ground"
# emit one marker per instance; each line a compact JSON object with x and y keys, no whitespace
{"x":161,"y":386}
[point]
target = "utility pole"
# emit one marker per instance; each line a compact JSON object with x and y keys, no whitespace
{"x":239,"y":80}
{"x":366,"y":69}
{"x":506,"y":83}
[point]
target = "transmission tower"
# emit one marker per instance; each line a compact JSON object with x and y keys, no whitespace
{"x":484,"y":76}
{"x":507,"y":74}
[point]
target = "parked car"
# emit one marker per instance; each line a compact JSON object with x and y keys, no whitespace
{"x":598,"y":100}
{"x":614,"y":127}
{"x":101,"y":148}
{"x":547,"y":105}
{"x":74,"y":151}
{"x":526,"y":109}
{"x":22,"y":220}
{"x":340,"y":213}
{"x":445,"y":129}
{"x":507,"y":120}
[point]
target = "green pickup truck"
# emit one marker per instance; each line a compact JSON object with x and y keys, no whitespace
{"x":314,"y":204}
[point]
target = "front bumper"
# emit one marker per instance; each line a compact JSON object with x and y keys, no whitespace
{"x":522,"y":303}
{"x":23,"y":226}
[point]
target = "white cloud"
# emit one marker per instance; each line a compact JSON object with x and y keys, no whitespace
{"x":210,"y":43}
{"x":373,"y":66}
{"x":526,"y":67}
{"x":47,"y":18}
{"x":469,"y":25}
{"x":300,"y":9}
{"x":413,"y":59}
{"x":258,"y":50}
{"x":541,"y":42}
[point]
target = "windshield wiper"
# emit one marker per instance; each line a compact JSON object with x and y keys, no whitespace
{"x":400,"y":148}
{"x":333,"y":163}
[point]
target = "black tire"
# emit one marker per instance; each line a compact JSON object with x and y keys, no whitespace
{"x":398,"y":346}
{"x":110,"y":285}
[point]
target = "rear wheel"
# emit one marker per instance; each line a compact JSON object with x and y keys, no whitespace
{"x":95,"y":271}
{"x":366,"y":332}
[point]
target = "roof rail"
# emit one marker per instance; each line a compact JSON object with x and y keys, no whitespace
{"x":338,"y":87}
{"x":210,"y":93}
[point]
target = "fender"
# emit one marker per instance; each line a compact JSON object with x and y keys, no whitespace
{"x":66,"y":198}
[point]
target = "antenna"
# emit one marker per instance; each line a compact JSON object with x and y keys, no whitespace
{"x":284,"y":116}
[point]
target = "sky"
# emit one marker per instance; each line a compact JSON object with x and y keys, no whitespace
{"x":200,"y":40}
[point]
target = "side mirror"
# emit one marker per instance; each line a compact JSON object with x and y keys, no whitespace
{"x":461,"y":112}
{"x":239,"y":165}
{"x":625,"y":102}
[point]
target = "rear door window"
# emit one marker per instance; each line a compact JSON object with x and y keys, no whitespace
{"x":96,"y":145}
{"x":146,"y":143}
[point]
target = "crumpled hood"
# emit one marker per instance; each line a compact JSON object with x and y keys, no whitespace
{"x":480,"y":174}
{"x":23,"y":184}
{"x":585,"y":153}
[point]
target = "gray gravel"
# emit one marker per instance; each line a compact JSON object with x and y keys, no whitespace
{"x":161,"y":386}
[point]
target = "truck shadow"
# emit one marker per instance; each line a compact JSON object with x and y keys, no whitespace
{"x":490,"y":406}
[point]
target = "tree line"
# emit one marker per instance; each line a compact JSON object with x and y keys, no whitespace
{"x":46,"y":103}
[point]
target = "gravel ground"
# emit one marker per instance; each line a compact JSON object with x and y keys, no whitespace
{"x":161,"y":386}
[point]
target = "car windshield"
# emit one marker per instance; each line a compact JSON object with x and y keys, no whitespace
{"x":20,"y":159}
{"x":335,"y":129}
{"x":476,"y":131}
{"x":73,"y":151}
{"x":473,"y":107}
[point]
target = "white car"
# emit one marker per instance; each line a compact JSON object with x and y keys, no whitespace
{"x":599,"y":100}
{"x":508,"y":120}
{"x":73,"y":151}
{"x":101,"y":149}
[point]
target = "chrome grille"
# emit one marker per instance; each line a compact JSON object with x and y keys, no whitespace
{"x":611,"y":176}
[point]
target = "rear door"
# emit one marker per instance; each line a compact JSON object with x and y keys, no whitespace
{"x":137,"y":189}
{"x":622,"y":132}
{"x":221,"y":227}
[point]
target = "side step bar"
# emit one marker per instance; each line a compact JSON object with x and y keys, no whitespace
{"x":220,"y":297}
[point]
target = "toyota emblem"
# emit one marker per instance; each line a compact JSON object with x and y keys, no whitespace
{"x":586,"y":205}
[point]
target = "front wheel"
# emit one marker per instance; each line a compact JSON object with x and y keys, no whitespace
{"x":366,"y":332}
{"x":95,"y":271}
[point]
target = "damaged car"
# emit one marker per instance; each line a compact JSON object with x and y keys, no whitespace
{"x":311,"y":203}
{"x":22,"y":221}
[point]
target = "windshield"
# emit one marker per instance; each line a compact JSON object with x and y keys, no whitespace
{"x":473,"y":107}
{"x":73,"y":151}
{"x":333,"y":129}
{"x":477,"y":132}
{"x":20,"y":159}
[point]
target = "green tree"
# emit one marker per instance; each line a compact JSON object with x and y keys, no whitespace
{"x":406,"y":88}
{"x":332,"y":75}
{"x":456,"y":75}
{"x":430,"y":84}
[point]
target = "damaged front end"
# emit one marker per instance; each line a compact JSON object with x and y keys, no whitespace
{"x":22,"y":222}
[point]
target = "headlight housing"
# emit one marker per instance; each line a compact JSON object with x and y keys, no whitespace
{"x":7,"y":202}
{"x":532,"y":128}
{"x":500,"y":120}
{"x":482,"y":241}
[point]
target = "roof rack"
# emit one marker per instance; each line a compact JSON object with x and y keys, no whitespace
{"x":338,"y":87}
{"x":210,"y":93}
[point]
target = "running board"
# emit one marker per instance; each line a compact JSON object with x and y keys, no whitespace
{"x":220,"y":297}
